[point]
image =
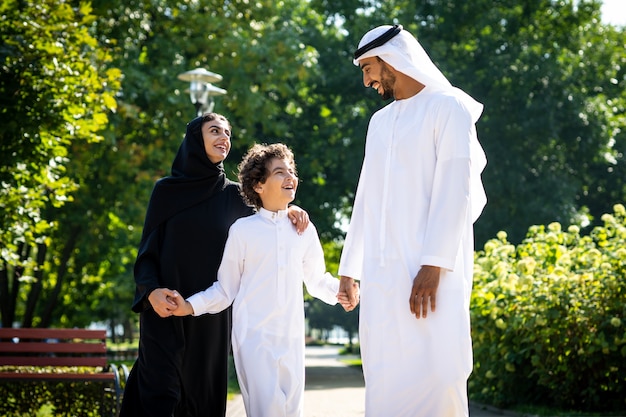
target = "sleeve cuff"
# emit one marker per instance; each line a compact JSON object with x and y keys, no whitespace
{"x":196,"y":303}
{"x":437,"y":261}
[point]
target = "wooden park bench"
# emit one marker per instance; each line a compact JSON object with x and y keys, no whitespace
{"x":41,"y":354}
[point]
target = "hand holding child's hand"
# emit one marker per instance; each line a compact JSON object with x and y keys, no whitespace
{"x":349,"y":293}
{"x":343,"y":299}
{"x":163,"y":301}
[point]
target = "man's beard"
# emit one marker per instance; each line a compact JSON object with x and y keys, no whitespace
{"x":387,"y":80}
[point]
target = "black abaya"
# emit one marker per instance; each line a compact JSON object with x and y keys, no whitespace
{"x":182,"y":365}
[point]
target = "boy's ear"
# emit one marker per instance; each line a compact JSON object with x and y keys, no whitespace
{"x":258,"y":187}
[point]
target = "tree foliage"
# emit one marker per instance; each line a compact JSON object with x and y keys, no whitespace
{"x":56,"y":91}
{"x":551,"y":78}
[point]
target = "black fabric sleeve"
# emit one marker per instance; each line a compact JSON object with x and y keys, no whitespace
{"x":147,"y":270}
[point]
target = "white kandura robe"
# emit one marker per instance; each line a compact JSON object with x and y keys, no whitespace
{"x":264,"y":265}
{"x":412,"y":208}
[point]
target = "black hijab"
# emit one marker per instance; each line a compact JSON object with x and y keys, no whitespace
{"x":194,"y":179}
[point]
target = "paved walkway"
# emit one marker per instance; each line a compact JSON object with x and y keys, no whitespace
{"x":332,"y":389}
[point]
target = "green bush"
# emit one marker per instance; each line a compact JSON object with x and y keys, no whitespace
{"x":548,"y":318}
{"x":57,"y":398}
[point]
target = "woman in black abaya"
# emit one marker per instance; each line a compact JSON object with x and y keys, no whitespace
{"x":182,"y":365}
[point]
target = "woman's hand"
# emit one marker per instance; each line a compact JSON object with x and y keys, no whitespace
{"x":298,"y":217}
{"x":163,"y":301}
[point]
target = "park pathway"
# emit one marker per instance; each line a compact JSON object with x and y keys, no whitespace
{"x":333,"y":389}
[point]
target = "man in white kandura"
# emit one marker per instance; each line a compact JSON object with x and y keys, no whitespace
{"x":410,"y":240}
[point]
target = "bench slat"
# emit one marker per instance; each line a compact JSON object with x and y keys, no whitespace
{"x":10,"y":332}
{"x":103,"y":376}
{"x":39,"y":354}
{"x":53,"y":348}
{"x":62,"y":347}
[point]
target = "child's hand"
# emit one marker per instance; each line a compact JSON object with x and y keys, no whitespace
{"x":184,"y":307}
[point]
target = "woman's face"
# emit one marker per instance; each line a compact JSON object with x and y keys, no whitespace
{"x":216,"y":137}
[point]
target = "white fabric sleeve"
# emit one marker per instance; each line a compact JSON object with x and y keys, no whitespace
{"x":219,"y":296}
{"x":353,"y":252}
{"x":319,"y":283}
{"x":450,"y":198}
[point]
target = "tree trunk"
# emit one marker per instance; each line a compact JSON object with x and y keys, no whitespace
{"x":46,"y":316}
{"x":7,"y":306}
{"x":35,"y":291}
{"x":128,"y":330}
{"x":112,"y":324}
{"x":10,"y":286}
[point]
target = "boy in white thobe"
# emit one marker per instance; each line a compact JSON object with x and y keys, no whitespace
{"x":264,"y":265}
{"x":410,"y":240}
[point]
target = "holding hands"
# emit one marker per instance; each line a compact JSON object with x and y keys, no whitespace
{"x":184,"y":307}
{"x":348,"y":295}
{"x":167,"y":303}
{"x":164,"y":301}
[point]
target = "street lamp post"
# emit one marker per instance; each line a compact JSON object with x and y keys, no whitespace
{"x":201,"y":90}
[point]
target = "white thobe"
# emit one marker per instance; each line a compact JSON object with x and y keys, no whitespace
{"x":264,"y":265}
{"x":411,"y":209}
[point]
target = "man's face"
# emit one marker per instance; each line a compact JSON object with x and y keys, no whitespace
{"x":376,"y":74}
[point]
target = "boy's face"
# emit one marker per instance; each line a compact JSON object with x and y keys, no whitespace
{"x":279,"y":189}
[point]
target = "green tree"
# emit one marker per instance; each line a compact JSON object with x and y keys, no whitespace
{"x":546,"y":129}
{"x":551,"y":77}
{"x":56,"y":91}
{"x":271,"y":74}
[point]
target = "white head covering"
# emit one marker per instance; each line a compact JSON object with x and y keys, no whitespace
{"x":405,"y":54}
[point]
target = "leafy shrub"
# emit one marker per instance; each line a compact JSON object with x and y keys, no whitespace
{"x":59,"y":398}
{"x":549,"y":318}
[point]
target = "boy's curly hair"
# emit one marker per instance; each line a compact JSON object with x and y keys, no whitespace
{"x":253,"y":169}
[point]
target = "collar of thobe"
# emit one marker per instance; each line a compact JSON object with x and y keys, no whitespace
{"x":274,"y":216}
